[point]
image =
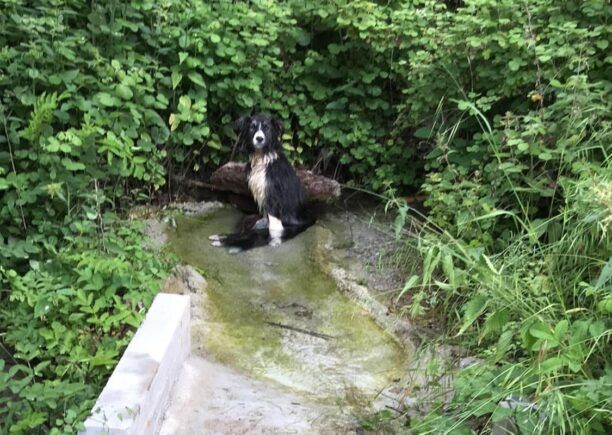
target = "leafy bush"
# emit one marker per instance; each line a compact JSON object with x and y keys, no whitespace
{"x":78,"y":133}
{"x":537,"y":312}
{"x":68,"y":319}
{"x":516,"y":246}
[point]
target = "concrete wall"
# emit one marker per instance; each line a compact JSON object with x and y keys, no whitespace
{"x":136,"y":396}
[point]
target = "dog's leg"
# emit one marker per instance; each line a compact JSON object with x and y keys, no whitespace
{"x":261,"y":224}
{"x":276,"y":230}
{"x":217,"y":239}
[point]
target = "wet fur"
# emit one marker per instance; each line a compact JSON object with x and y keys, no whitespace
{"x":275,"y":186}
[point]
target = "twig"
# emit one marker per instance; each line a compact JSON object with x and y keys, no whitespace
{"x":303,"y":331}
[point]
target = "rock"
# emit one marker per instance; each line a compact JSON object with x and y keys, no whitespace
{"x":184,"y":280}
{"x":155,"y":231}
{"x":521,"y":407}
{"x":190,"y":208}
{"x":469,"y":361}
{"x":231,"y":177}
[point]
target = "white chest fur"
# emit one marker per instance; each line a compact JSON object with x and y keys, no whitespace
{"x":257,"y":177}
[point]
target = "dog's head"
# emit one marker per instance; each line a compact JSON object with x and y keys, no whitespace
{"x":260,"y":132}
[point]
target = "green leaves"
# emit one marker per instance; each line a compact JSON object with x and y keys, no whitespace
{"x":472,"y":311}
{"x":72,"y":165}
{"x":410,"y":283}
{"x":196,"y":78}
{"x":106,"y":99}
{"x":124,"y":92}
{"x":515,"y":64}
{"x":63,"y":315}
{"x":176,"y":76}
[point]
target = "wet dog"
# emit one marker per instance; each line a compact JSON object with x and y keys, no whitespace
{"x":274,"y":185}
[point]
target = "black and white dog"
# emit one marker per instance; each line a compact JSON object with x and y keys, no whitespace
{"x":275,"y":187}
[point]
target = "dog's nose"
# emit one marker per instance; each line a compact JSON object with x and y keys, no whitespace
{"x":259,"y":139}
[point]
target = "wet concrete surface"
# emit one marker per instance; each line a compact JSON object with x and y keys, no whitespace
{"x":277,"y":348}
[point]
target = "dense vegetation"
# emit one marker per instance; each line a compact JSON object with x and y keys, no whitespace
{"x":499,"y":110}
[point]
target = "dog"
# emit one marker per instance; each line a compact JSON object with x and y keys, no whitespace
{"x":275,"y":187}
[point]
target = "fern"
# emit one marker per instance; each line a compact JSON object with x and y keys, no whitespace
{"x":495,"y":322}
{"x":40,"y":116}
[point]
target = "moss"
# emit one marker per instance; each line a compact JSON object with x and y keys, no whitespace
{"x":249,"y":291}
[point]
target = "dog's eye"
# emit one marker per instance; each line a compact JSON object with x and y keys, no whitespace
{"x":253,"y":126}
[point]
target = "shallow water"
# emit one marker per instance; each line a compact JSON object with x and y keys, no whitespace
{"x":273,"y":314}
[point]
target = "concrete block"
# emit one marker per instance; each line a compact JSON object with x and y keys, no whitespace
{"x":137,"y":394}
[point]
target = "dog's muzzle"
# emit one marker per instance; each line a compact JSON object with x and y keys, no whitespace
{"x":259,"y":139}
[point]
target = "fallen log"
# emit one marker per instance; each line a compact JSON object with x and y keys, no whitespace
{"x":231,"y":177}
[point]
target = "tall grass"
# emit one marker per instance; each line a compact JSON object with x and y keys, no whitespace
{"x":532,"y":297}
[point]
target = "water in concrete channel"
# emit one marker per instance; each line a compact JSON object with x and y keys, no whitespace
{"x":274,"y":315}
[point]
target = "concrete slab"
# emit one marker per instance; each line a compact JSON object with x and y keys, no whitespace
{"x":137,"y":394}
{"x":211,"y":398}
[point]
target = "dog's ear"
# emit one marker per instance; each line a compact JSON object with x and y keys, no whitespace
{"x":278,"y":126}
{"x":240,"y":127}
{"x":239,"y":124}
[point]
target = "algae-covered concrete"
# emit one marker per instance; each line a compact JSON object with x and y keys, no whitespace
{"x":274,"y":316}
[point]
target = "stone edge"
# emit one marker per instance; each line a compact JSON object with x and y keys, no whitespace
{"x":137,"y":393}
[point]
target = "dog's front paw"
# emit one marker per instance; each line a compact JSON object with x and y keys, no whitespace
{"x":216,"y":239}
{"x":274,"y":242}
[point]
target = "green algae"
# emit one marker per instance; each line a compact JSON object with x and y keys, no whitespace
{"x":273,"y":313}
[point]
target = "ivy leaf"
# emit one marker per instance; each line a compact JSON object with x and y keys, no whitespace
{"x":69,"y":76}
{"x":196,"y":78}
{"x":176,"y":78}
{"x":522,"y":146}
{"x":302,"y":37}
{"x":54,"y":79}
{"x":184,"y":104}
